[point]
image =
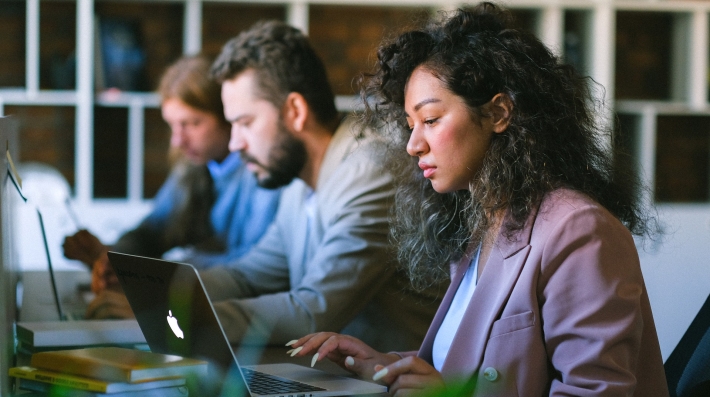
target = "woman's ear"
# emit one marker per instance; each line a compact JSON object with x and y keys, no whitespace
{"x":295,"y":112}
{"x":501,"y":110}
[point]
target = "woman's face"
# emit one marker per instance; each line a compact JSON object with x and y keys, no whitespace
{"x":199,"y":135}
{"x":449,"y":143}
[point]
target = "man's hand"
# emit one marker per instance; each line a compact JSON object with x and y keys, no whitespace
{"x":102,"y":276}
{"x":83,"y":246}
{"x":109,"y":304}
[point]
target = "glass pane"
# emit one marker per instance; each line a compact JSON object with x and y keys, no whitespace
{"x":155,"y":155}
{"x":12,"y":43}
{"x":576,"y":40}
{"x":526,"y":19}
{"x":110,"y":152}
{"x":683,"y":159}
{"x":626,"y":142}
{"x":137,"y":43}
{"x":57,"y":45}
{"x":347,"y":37}
{"x":47,"y":136}
{"x":643,"y":64}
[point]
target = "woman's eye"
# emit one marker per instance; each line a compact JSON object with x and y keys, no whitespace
{"x":430,"y":121}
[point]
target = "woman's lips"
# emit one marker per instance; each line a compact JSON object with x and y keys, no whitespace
{"x":428,"y":170}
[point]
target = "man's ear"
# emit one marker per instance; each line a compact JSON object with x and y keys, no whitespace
{"x":295,"y":112}
{"x":501,"y":111}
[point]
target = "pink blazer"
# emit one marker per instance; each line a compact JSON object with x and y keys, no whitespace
{"x":559,"y":310}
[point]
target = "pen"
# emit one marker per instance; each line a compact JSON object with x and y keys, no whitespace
{"x":72,"y":214}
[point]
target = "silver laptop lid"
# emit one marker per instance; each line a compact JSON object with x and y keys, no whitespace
{"x":175,"y":314}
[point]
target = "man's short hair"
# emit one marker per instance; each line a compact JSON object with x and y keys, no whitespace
{"x":284,"y":62}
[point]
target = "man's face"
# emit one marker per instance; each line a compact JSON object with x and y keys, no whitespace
{"x":200,"y":136}
{"x":270,"y":151}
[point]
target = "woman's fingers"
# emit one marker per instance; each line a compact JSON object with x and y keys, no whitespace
{"x":410,"y":383}
{"x":408,"y":375}
{"x":308,"y":343}
{"x":349,"y":353}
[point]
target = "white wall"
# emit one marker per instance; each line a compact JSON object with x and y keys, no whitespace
{"x":677,"y":270}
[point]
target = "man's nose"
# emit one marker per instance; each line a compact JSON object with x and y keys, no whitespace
{"x":177,"y":138}
{"x":236,"y":141}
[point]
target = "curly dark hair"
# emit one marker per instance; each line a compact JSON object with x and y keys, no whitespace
{"x":554,"y":138}
{"x":284,"y":62}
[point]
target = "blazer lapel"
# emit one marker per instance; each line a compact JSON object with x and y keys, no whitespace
{"x":494,"y":287}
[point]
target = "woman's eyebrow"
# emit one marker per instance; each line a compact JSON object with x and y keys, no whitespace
{"x":424,"y":102}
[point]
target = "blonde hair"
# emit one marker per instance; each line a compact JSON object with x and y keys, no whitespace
{"x":188,"y":80}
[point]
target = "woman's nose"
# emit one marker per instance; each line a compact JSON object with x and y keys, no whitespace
{"x":416,"y":145}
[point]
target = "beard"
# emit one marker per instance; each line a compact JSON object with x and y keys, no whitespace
{"x":286,"y":160}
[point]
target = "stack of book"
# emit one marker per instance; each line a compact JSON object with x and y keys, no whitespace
{"x":35,"y":337}
{"x":108,"y":371}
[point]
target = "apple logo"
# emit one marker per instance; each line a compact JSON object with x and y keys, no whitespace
{"x":173,"y":322}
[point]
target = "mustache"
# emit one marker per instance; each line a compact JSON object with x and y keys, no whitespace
{"x":247,"y":158}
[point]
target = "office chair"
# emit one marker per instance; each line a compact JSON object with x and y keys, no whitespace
{"x":688,"y":367}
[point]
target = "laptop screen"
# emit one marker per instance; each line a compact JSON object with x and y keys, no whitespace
{"x":173,"y":310}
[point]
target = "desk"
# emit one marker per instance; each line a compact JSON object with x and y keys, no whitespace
{"x":269,"y":355}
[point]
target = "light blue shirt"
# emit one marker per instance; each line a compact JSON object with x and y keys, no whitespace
{"x":240,"y":214}
{"x":448,"y":328}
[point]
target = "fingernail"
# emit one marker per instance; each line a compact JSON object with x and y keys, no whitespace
{"x":381,"y":374}
{"x":289,"y":352}
{"x":313,"y":361}
{"x":296,"y":350}
{"x":292,"y":342}
{"x":349,"y":361}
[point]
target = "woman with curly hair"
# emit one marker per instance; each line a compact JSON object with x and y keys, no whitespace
{"x":508,"y":187}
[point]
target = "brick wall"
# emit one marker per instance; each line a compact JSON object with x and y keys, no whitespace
{"x":643,"y":48}
{"x":347,"y":38}
{"x":12,"y":44}
{"x":223,"y":21}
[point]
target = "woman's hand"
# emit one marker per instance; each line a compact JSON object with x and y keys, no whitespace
{"x":350,"y":353}
{"x":410,"y":376}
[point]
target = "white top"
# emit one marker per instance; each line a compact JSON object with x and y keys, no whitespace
{"x":447,"y":331}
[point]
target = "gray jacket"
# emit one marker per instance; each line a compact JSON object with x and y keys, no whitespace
{"x":334,"y":273}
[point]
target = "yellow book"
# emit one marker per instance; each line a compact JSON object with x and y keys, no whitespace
{"x":89,"y":384}
{"x":118,"y":364}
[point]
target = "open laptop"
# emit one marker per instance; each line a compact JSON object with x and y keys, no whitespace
{"x":177,"y":317}
{"x":67,"y":298}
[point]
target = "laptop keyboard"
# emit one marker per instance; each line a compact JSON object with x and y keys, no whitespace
{"x":261,"y":383}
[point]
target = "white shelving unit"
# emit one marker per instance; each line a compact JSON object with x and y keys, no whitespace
{"x":676,"y":269}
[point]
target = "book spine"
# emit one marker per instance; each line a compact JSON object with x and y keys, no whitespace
{"x":59,"y":380}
